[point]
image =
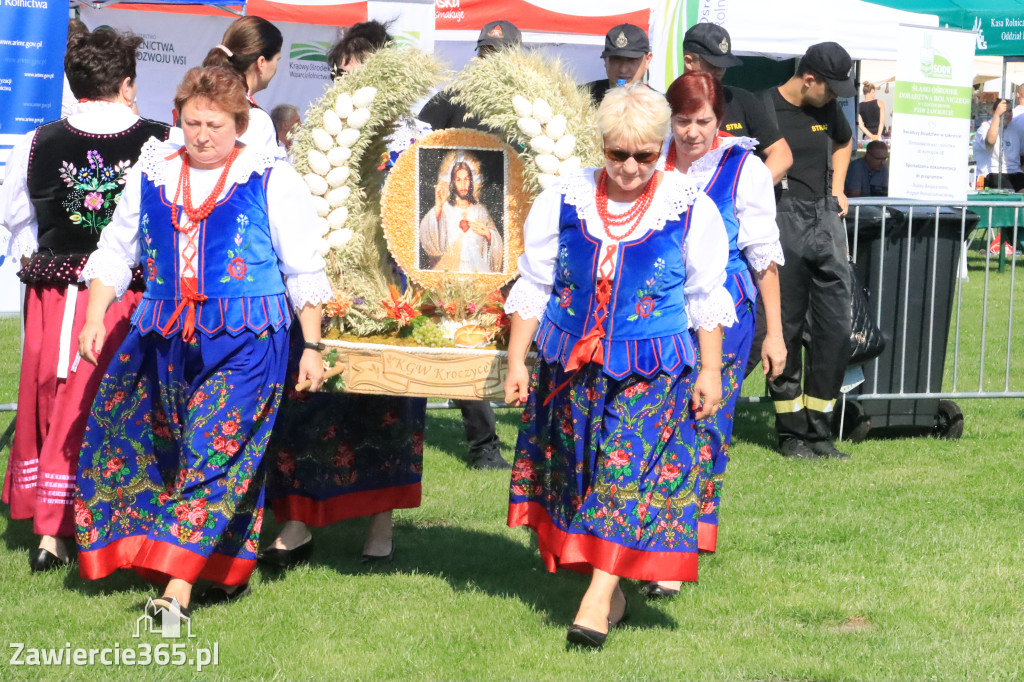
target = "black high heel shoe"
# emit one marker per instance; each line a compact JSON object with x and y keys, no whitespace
{"x":40,"y":560}
{"x":286,"y":558}
{"x":580,"y":636}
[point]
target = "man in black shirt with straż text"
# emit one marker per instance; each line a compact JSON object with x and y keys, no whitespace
{"x":815,"y":281}
{"x":708,"y":49}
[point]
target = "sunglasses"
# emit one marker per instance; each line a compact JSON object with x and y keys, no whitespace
{"x":641,"y":158}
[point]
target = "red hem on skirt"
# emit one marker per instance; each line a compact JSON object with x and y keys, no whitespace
{"x":158,"y":561}
{"x":583,"y":553}
{"x":707,"y":536}
{"x":319,"y":513}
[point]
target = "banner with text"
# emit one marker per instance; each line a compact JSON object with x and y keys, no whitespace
{"x":931,"y":114}
{"x":174,"y":43}
{"x":33,"y":35}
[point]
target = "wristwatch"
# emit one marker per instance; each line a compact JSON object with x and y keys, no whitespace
{"x":309,"y":345}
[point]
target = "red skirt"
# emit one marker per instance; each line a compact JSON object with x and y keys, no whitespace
{"x":52,"y":412}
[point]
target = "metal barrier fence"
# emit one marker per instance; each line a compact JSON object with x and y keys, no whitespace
{"x":947,"y":337}
{"x":879,"y":290}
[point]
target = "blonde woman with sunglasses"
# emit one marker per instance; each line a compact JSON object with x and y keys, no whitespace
{"x":621,"y":263}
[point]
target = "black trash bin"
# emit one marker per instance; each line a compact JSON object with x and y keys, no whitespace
{"x":897,"y":268}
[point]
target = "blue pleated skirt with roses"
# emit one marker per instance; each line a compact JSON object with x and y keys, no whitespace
{"x":169,"y":475}
{"x":714,"y":434}
{"x":606,"y":473}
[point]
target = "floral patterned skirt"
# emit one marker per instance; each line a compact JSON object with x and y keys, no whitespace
{"x":168,"y":478}
{"x":607,"y":473}
{"x":715,"y":434}
{"x":336,"y":456}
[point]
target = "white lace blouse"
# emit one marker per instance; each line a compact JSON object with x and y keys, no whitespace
{"x":705,"y":249}
{"x":291,"y":214}
{"x":758,"y":236}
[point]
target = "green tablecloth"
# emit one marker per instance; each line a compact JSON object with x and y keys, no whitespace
{"x":1001,"y":217}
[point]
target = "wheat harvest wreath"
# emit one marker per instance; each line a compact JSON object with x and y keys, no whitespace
{"x":422,"y":231}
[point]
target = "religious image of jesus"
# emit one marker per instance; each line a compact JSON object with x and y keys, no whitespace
{"x":457,"y":233}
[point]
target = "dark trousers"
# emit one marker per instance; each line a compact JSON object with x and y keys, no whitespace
{"x":478,"y":420}
{"x":815,"y":289}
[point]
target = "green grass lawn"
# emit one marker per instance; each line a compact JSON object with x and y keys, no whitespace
{"x":906,"y":563}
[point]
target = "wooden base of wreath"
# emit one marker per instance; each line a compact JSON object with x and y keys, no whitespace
{"x":422,"y":372}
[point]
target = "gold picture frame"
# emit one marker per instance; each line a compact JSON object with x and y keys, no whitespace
{"x":453,"y":209}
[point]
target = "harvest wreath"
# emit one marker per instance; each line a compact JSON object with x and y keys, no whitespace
{"x":422,"y":231}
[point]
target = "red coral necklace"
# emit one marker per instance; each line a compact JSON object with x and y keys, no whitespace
{"x":200,"y":213}
{"x":631,"y":217}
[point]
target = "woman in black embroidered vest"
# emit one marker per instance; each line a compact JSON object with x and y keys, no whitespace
{"x":63,"y":183}
{"x":252,"y":48}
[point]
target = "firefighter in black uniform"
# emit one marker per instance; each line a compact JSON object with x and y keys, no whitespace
{"x":707,"y":48}
{"x":815,"y":282}
{"x":626,"y":55}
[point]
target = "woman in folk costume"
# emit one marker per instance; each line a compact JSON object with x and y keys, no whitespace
{"x":337,"y":456}
{"x":620,"y":264}
{"x":741,"y":186}
{"x":62,"y":185}
{"x":252,"y":48}
{"x":167,"y":480}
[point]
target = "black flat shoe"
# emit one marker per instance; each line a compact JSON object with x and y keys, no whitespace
{"x":378,"y":558}
{"x":655,"y":591}
{"x":219,"y":595}
{"x":286,"y":558}
{"x":161,"y":603}
{"x":585,"y":638}
{"x":40,"y":560}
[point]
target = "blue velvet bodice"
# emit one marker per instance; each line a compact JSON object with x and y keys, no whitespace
{"x":239,"y":281}
{"x":722,"y":190}
{"x":646,"y":330}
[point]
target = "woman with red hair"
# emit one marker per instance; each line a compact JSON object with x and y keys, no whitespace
{"x":741,"y":186}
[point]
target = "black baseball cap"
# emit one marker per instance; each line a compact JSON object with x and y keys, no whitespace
{"x":626,"y":40}
{"x":499,"y":34}
{"x":833,"y":62}
{"x":711,"y":42}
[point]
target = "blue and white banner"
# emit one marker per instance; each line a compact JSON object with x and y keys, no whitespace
{"x":33,"y":37}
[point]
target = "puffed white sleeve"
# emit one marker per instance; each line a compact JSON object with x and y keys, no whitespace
{"x":292,"y":220}
{"x":705,"y":254}
{"x":529,"y":295}
{"x":758,"y":236}
{"x":118,"y":249}
{"x":17,"y":213}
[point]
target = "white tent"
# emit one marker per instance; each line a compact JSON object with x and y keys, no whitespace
{"x":779,"y":29}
